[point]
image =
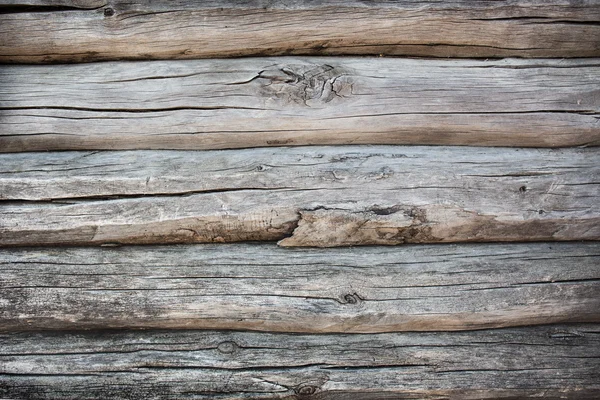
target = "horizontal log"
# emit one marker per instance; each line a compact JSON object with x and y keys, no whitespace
{"x":307,"y":196}
{"x":39,"y":31}
{"x":217,"y":104}
{"x":555,"y":362}
{"x":265,"y":288}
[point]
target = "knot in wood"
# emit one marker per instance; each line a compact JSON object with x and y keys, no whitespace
{"x":306,"y":390}
{"x":262,"y":167}
{"x":306,"y":84}
{"x":227,"y":347}
{"x":109,"y":12}
{"x":351,"y":298}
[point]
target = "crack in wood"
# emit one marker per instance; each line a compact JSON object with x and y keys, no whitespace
{"x":515,"y":362}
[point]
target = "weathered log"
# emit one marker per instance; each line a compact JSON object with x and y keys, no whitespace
{"x":60,"y":31}
{"x":16,"y":6}
{"x":266,"y":288}
{"x":216,"y":104}
{"x":553,"y":362}
{"x":320,"y":196}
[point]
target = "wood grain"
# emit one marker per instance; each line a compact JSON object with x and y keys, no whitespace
{"x":556,"y":362}
{"x":217,"y":104}
{"x":26,"y":6}
{"x":95,"y":30}
{"x":266,"y":288}
{"x":320,"y":196}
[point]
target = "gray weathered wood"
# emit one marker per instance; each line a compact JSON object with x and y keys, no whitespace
{"x":215,"y":104}
{"x":59,"y":31}
{"x":552,"y":362}
{"x":266,"y":288}
{"x":321,"y":196}
{"x":15,"y":6}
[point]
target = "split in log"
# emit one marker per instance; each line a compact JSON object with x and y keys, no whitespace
{"x":217,"y":104}
{"x":79,"y":31}
{"x":307,"y":196}
{"x":553,"y":362}
{"x":265,"y":288}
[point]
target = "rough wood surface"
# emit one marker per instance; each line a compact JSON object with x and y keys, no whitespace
{"x":320,"y":196}
{"x":61,"y":31}
{"x":215,"y":104}
{"x":265,"y":288}
{"x":551,"y":362}
{"x":15,"y":6}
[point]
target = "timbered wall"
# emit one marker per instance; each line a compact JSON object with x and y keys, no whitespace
{"x":299,"y":199}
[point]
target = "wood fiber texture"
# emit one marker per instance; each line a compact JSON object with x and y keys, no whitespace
{"x":185,"y":125}
{"x":303,"y":196}
{"x":266,"y":288}
{"x":82,"y":31}
{"x":551,"y":362}
{"x":285,"y":101}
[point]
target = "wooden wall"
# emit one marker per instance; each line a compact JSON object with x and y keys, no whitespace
{"x":299,"y":199}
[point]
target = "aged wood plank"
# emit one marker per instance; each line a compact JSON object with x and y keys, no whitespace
{"x":145,"y":29}
{"x":321,"y":196}
{"x":265,"y":288}
{"x":554,"y":362}
{"x":34,"y":6}
{"x":216,"y":104}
